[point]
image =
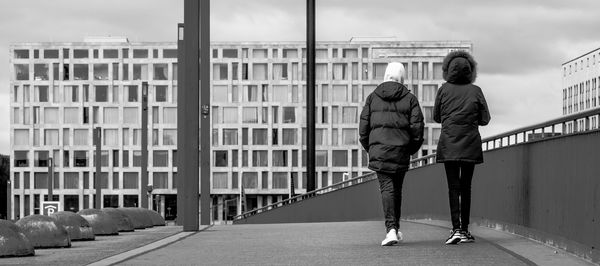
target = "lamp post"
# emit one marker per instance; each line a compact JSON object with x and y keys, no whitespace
{"x":50,"y":178}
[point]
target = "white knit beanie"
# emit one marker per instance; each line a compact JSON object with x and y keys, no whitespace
{"x":394,"y":72}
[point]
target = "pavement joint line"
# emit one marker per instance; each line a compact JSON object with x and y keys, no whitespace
{"x":130,"y":254}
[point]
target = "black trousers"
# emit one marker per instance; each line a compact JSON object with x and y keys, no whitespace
{"x":459,"y":176}
{"x":390,"y":186}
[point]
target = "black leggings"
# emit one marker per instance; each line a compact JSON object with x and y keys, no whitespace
{"x":459,"y":176}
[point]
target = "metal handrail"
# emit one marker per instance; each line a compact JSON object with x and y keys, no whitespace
{"x":430,"y":159}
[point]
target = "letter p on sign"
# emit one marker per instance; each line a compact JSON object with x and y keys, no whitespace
{"x":50,"y":207}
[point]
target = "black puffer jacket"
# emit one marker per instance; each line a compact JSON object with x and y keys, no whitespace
{"x":461,"y":108}
{"x":391,"y":127}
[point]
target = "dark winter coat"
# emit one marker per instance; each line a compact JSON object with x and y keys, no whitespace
{"x":461,"y":108}
{"x":391,"y":127}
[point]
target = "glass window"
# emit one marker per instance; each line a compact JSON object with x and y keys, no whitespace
{"x":80,"y":137}
{"x":321,"y":71}
{"x":280,"y":72}
{"x":169,"y":136}
{"x":340,"y":158}
{"x":250,"y":180}
{"x":280,"y":180}
{"x":21,"y":54}
{"x":349,"y":136}
{"x":51,"y":115}
{"x":161,"y":71}
{"x":161,"y":93}
{"x":130,"y":180}
{"x":80,"y":158}
{"x":80,"y":71}
{"x":101,"y":93}
{"x":259,"y":53}
{"x":250,"y":115}
{"x":429,"y":92}
{"x":100,"y":71}
{"x":160,"y":158}
{"x":230,"y":53}
{"x":259,"y":136}
{"x":220,"y":180}
{"x":221,"y":158}
{"x":259,"y":71}
{"x":289,"y":114}
{"x":21,"y":159}
{"x":280,"y":158}
{"x":51,"y":137}
{"x":290,"y":136}
{"x":140,"y":53}
{"x":21,"y":72}
{"x":130,"y":115}
{"x":349,"y":115}
{"x":220,"y":93}
{"x":140,"y":71}
{"x":260,"y":158}
{"x":230,"y":115}
{"x":41,"y":94}
{"x":220,"y":72}
{"x":230,"y":136}
{"x":379,"y":70}
{"x":340,"y":71}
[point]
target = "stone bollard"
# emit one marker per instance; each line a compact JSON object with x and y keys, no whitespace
{"x":140,"y":218}
{"x":124,"y":224}
{"x":15,"y":243}
{"x":101,"y":223}
{"x":78,"y":227}
{"x":44,"y":231}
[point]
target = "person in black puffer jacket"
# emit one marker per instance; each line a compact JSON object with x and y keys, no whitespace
{"x":391,"y":129}
{"x":461,"y":108}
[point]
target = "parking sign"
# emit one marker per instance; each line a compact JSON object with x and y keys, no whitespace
{"x":50,"y":207}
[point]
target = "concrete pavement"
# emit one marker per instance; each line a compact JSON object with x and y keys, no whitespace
{"x":348,"y":243}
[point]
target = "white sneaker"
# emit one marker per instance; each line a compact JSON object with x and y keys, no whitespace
{"x":391,"y":238}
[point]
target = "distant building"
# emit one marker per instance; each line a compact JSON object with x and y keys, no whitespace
{"x":61,"y":91}
{"x":4,"y":186}
{"x":581,"y":88}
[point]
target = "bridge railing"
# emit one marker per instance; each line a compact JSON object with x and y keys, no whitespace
{"x":566,"y":125}
{"x":580,"y":122}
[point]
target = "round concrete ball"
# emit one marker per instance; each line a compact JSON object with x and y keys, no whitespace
{"x":157,"y":219}
{"x":44,"y":231}
{"x":124,"y":224}
{"x":78,"y":227}
{"x":13,"y":243}
{"x":102,"y":224}
{"x":136,"y":220}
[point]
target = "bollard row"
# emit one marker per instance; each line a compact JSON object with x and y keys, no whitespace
{"x":59,"y":229}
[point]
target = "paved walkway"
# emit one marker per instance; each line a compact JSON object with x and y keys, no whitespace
{"x":348,"y":243}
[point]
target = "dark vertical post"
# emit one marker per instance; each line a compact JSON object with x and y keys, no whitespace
{"x":180,"y":121}
{"x":310,"y":95}
{"x":189,"y":124}
{"x":50,"y":178}
{"x":205,"y":129}
{"x":144,"y":162}
{"x":98,"y":162}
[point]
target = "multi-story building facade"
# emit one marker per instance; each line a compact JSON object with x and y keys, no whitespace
{"x":581,"y":88}
{"x":60,"y":92}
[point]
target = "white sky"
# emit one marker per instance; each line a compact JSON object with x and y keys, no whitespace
{"x":519,"y":45}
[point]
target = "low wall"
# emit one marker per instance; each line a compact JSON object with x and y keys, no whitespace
{"x":547,"y":190}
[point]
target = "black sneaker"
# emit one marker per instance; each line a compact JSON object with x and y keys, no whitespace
{"x":466,"y":237}
{"x":454,"y":237}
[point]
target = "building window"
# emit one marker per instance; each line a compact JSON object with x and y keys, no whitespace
{"x":220,"y":181}
{"x":259,"y":71}
{"x":21,"y":72}
{"x":160,"y":93}
{"x":429,"y":93}
{"x":80,"y":71}
{"x":101,"y":93}
{"x":280,"y":158}
{"x":220,"y":72}
{"x":161,"y":71}
{"x":340,"y":93}
{"x":289,"y":114}
{"x":280,"y":72}
{"x":340,"y":71}
{"x":80,"y":158}
{"x":41,"y":94}
{"x":220,"y":93}
{"x":340,"y":158}
{"x":259,"y":136}
{"x":280,"y":180}
{"x":250,"y":180}
{"x":349,"y":136}
{"x":321,"y":158}
{"x":250,"y":115}
{"x":230,"y":53}
{"x":290,"y":136}
{"x":221,"y":158}
{"x":379,"y":70}
{"x":260,"y":158}
{"x":100,"y":71}
{"x":140,"y":53}
{"x":140,"y":72}
{"x":21,"y":158}
{"x":130,"y":115}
